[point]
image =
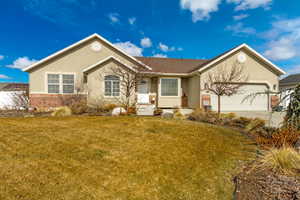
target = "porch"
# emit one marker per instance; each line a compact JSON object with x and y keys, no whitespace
{"x":162,"y":92}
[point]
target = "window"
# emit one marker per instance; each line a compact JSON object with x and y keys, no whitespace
{"x":53,"y":83}
{"x":169,"y":87}
{"x":61,"y":83}
{"x":274,"y":87}
{"x":112,"y":86}
{"x":68,"y":83}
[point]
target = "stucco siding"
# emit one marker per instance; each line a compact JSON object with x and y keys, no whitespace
{"x":257,"y":71}
{"x":95,"y":83}
{"x":194,"y":91}
{"x":73,"y":61}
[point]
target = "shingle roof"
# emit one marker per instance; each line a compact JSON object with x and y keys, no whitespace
{"x":291,"y":79}
{"x":172,"y":65}
{"x":2,"y":85}
{"x":13,"y":86}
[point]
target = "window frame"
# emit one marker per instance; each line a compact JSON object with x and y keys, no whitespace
{"x":112,"y":86}
{"x":178,"y":86}
{"x":67,"y":84}
{"x":61,"y":84}
{"x":56,"y":84}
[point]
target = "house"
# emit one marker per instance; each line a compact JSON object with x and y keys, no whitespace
{"x":286,"y":86}
{"x":167,"y":82}
{"x":7,"y":93}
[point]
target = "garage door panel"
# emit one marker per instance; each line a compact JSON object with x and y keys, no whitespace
{"x":237,"y":102}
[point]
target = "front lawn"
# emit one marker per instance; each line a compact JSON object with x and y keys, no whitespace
{"x":118,"y":158}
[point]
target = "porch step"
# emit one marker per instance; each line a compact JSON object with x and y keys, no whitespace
{"x":145,"y":109}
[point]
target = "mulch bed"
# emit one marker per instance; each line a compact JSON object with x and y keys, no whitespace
{"x":20,"y":113}
{"x":254,"y":184}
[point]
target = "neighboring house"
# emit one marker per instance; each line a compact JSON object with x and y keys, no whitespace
{"x":286,"y":86}
{"x":7,"y":93}
{"x":167,"y":83}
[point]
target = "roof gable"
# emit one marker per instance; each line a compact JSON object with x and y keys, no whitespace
{"x":232,"y":51}
{"x":79,"y":43}
{"x":86,"y":70}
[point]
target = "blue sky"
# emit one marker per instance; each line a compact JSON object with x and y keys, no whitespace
{"x":34,"y":29}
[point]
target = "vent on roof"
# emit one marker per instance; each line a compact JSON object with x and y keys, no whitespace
{"x":96,"y":46}
{"x":242,"y":58}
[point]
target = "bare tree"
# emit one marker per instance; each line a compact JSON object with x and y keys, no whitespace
{"x":129,"y":80}
{"x":226,"y":81}
{"x":20,"y":99}
{"x":77,"y":97}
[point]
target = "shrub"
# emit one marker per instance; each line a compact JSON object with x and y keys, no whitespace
{"x":79,"y":107}
{"x":284,"y":160}
{"x":131,"y":110}
{"x":286,"y":136}
{"x":227,"y":119}
{"x":158,"y":112}
{"x":203,"y":116}
{"x":255,"y":124}
{"x":178,"y":114}
{"x":62,"y":112}
{"x":241,"y":122}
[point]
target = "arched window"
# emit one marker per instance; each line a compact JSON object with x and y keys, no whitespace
{"x":112,"y":86}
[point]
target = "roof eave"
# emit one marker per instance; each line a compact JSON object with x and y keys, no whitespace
{"x":86,"y":70}
{"x":95,"y":35}
{"x":280,"y":71}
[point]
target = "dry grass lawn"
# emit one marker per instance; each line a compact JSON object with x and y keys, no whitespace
{"x":121,"y":158}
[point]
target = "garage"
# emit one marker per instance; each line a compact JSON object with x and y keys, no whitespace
{"x":236,"y":103}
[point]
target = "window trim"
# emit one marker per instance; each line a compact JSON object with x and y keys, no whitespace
{"x":179,"y":86}
{"x":60,"y":82}
{"x":111,"y":86}
{"x":53,"y":84}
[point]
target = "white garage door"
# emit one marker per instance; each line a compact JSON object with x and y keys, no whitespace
{"x":235,"y":102}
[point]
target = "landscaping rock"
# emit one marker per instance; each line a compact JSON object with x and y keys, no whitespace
{"x":297,"y":145}
{"x":264,"y":184}
{"x":167,"y":115}
{"x":118,"y":111}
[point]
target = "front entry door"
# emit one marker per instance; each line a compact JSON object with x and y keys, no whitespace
{"x":143,"y":91}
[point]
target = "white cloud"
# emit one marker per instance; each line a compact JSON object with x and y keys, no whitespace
{"x":130,"y":48}
{"x":22,"y":63}
{"x":163,"y":47}
{"x":146,"y":42}
{"x":240,"y":17}
{"x":284,"y":39}
{"x":2,"y":76}
{"x":281,"y":49}
{"x":166,"y":48}
{"x":1,"y":57}
{"x":200,"y":9}
{"x":114,"y":18}
{"x":294,"y":70}
{"x":240,"y":29}
{"x":132,"y":20}
{"x":160,"y":55}
{"x":250,"y":4}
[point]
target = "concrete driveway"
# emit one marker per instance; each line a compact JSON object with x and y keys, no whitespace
{"x":272,"y":119}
